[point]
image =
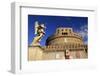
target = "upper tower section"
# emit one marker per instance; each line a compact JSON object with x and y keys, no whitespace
{"x":63,"y":31}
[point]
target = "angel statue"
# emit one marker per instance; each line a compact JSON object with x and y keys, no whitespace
{"x":39,"y":31}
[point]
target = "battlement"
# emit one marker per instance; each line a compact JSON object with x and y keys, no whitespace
{"x":63,"y":31}
{"x":64,"y":47}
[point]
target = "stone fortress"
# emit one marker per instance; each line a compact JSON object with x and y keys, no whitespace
{"x":63,"y":44}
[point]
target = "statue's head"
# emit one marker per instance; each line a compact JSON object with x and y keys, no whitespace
{"x":42,"y":25}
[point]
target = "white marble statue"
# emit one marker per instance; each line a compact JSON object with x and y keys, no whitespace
{"x":39,"y":31}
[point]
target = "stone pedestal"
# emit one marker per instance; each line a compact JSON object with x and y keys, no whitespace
{"x":35,"y":53}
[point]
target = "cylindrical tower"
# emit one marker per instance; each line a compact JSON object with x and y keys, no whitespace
{"x":64,"y":36}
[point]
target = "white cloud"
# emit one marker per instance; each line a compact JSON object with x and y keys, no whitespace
{"x":83,"y":31}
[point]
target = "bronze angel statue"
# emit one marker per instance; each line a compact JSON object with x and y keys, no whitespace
{"x":39,"y":31}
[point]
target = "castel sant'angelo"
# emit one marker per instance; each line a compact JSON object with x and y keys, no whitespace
{"x":63,"y":44}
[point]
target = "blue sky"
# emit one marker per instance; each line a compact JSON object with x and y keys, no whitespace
{"x":79,"y":24}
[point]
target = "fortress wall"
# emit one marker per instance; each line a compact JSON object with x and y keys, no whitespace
{"x":35,"y":53}
{"x":53,"y":55}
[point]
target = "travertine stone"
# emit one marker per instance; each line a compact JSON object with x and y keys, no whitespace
{"x":35,"y":53}
{"x":57,"y":44}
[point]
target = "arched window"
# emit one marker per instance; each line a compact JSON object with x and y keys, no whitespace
{"x":72,"y":45}
{"x":69,"y":30}
{"x":66,"y":29}
{"x":62,"y":29}
{"x":58,"y":31}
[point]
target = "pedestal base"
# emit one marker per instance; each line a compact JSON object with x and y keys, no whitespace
{"x":35,"y":53}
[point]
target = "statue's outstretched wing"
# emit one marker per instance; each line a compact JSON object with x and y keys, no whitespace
{"x":36,"y":27}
